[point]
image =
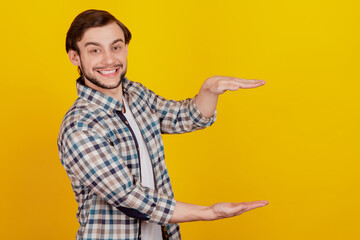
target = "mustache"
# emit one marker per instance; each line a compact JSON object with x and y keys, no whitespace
{"x":107,"y":67}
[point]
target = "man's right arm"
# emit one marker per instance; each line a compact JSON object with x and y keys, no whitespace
{"x":93,"y":161}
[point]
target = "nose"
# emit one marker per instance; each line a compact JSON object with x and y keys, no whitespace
{"x":108,"y":58}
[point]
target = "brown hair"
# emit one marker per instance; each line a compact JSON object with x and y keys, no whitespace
{"x":88,"y":19}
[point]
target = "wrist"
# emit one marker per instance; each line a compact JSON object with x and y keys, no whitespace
{"x":204,"y":213}
{"x":206,"y":90}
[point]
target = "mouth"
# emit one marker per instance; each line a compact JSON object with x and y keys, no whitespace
{"x":108,"y":73}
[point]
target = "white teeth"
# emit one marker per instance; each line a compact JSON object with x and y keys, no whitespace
{"x":108,"y":72}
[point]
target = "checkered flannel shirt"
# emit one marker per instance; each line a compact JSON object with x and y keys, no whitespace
{"x":100,"y":157}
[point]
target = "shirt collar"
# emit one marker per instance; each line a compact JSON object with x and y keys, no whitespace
{"x":104,"y":101}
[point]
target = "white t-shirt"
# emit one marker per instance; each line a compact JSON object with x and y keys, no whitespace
{"x":149,"y":231}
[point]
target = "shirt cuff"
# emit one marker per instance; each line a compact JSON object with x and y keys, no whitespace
{"x":163,"y":211}
{"x":198,"y":118}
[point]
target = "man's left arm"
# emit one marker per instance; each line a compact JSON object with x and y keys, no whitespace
{"x":177,"y":116}
{"x":198,"y":112}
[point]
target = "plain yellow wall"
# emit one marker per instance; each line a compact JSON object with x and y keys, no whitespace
{"x":294,"y":141}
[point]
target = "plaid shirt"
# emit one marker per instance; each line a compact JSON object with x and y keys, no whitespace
{"x":99,"y":153}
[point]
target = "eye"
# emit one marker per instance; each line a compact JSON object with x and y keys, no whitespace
{"x":117,"y":48}
{"x":95,"y":51}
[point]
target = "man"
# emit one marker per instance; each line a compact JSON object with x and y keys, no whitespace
{"x":110,"y":140}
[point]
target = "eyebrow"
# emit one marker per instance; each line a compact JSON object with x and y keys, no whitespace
{"x":98,"y":44}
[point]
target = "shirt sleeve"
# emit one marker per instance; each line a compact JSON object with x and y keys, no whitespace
{"x":179,"y":116}
{"x":90,"y":158}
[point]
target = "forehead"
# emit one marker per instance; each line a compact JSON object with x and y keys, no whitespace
{"x":103,"y":35}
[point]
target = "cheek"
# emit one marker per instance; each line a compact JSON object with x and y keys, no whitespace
{"x":124,"y":55}
{"x":89,"y":64}
{"x":124,"y":58}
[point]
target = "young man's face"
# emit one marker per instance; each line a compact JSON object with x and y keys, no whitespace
{"x":103,"y":56}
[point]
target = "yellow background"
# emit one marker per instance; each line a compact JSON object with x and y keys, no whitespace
{"x":294,"y":141}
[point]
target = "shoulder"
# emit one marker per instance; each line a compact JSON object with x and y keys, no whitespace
{"x":135,"y":89}
{"x":82,"y":116}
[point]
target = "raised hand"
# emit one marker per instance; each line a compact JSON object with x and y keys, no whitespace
{"x":207,"y":98}
{"x":220,"y":84}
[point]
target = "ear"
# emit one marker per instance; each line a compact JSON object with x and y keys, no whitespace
{"x":74,"y":57}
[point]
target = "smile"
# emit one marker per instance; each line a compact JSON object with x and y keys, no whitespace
{"x":108,"y":73}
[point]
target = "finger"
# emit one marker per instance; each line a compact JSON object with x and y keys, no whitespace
{"x":235,"y":85}
{"x":242,"y":80}
{"x":256,"y":204}
{"x":251,"y":83}
{"x":247,"y":206}
{"x":228,"y":85}
{"x":220,"y":78}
